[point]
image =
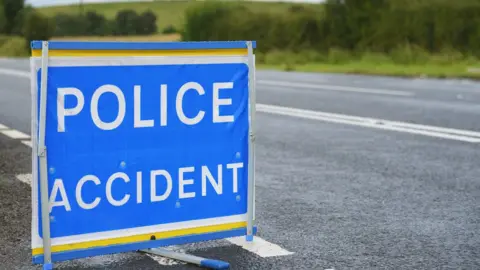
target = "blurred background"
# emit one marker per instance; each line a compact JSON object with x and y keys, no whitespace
{"x":437,"y":38}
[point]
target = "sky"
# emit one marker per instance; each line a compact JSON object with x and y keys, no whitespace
{"x":39,"y":3}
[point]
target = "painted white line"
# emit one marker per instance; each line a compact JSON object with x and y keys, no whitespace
{"x":260,"y":247}
{"x":15,"y":72}
{"x":336,"y":88}
{"x":452,"y":134}
{"x":25,"y":178}
{"x":468,"y":133}
{"x":27,"y":143}
{"x":15,"y":134}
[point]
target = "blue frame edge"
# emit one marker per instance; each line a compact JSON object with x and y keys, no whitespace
{"x":112,"y":45}
{"x":90,"y":252}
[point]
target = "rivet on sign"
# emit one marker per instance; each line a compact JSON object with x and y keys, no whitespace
{"x":238,"y":198}
{"x":52,"y":170}
{"x":177,"y":205}
{"x":237,"y":155}
{"x":123,"y":164}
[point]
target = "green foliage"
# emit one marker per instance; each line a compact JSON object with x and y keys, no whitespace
{"x":3,"y":39}
{"x":3,"y":19}
{"x":96,"y":24}
{"x":204,"y":22}
{"x":37,"y":27}
{"x":409,"y":54}
{"x":13,"y":46}
{"x":146,"y":23}
{"x":339,"y":56}
{"x":68,"y":25}
{"x":170,"y":29}
{"x":20,"y":19}
{"x":125,"y":22}
{"x":12,"y":9}
{"x":395,"y":27}
{"x":128,"y":22}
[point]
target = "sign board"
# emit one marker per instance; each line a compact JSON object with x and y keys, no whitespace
{"x":140,"y":145}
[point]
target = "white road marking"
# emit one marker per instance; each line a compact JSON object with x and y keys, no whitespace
{"x":336,"y":88}
{"x":25,"y":178}
{"x":432,"y":131}
{"x":27,"y":143}
{"x":15,"y":72}
{"x":15,"y":134}
{"x":260,"y":247}
{"x":3,"y":127}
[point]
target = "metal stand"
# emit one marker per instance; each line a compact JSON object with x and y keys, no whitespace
{"x":251,"y":144}
{"x":42,"y":154}
{"x":203,"y":262}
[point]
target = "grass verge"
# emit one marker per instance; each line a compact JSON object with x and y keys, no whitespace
{"x":429,"y":70}
{"x":402,"y":64}
{"x":13,"y":47}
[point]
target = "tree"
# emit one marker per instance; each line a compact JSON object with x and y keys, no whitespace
{"x":3,"y":19}
{"x":12,"y":9}
{"x":126,"y":22}
{"x":37,"y":27}
{"x":96,"y":24}
{"x":20,"y":19}
{"x":146,"y":23}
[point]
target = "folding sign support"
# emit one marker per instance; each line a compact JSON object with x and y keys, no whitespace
{"x":42,"y":244}
{"x":203,"y":262}
{"x":251,"y":144}
{"x":42,"y":154}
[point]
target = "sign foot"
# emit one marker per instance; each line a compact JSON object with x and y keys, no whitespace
{"x":203,"y":262}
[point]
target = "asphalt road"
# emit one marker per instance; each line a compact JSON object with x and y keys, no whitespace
{"x":339,"y":196}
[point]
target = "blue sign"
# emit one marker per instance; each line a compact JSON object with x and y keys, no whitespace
{"x":140,"y":150}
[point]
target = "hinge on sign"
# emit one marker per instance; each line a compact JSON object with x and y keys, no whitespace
{"x":42,"y":151}
{"x":252,"y":136}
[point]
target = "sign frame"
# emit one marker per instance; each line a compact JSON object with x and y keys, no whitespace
{"x":45,"y":51}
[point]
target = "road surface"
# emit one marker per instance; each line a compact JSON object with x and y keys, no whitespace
{"x":353,"y":172}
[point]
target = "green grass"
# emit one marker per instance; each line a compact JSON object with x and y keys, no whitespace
{"x":457,"y":70}
{"x":13,"y":46}
{"x":448,"y":64}
{"x":168,"y":12}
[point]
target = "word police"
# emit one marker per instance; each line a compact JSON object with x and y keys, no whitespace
{"x":63,"y":112}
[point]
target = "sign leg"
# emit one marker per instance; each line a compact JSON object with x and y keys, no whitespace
{"x":251,"y":144}
{"x":42,"y":154}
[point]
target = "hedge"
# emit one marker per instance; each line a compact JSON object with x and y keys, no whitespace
{"x":367,"y":25}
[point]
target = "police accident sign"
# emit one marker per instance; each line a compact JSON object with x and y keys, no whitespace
{"x":147,"y":144}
